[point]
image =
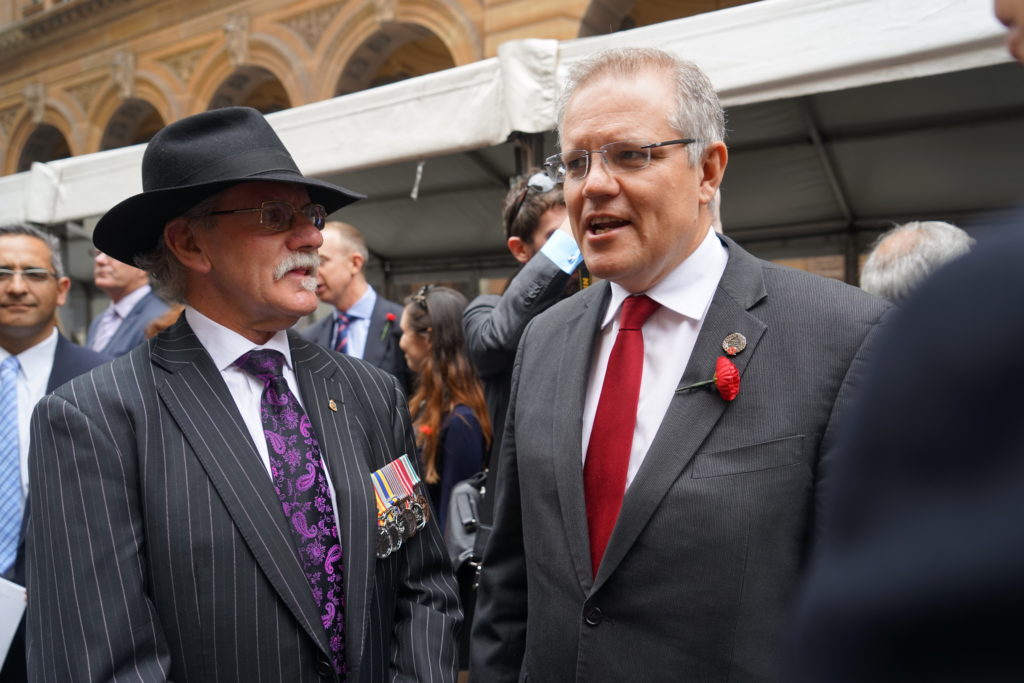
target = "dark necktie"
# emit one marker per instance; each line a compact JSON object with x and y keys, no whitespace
{"x":298,"y":474}
{"x":611,"y":438}
{"x":341,"y":324}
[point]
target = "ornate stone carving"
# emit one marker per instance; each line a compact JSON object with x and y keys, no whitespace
{"x":311,"y":25}
{"x":183,"y":64}
{"x":35,"y":100}
{"x":85,"y":93}
{"x":7,"y":117}
{"x":124,"y":73}
{"x":237,"y":31}
{"x":385,"y":10}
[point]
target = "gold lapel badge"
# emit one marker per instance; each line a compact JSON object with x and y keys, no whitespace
{"x":734,"y":343}
{"x":332,"y":405}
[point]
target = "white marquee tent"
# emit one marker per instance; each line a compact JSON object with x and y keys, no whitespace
{"x":843,"y":115}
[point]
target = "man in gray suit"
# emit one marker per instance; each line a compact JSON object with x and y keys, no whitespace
{"x":209,"y":512}
{"x":122,"y":326}
{"x":651,"y":525}
{"x":363,"y":323}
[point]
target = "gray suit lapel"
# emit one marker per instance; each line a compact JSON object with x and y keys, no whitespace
{"x":343,"y":435}
{"x":692,"y":414}
{"x":198,"y":400}
{"x":373,"y":352}
{"x":578,"y":337}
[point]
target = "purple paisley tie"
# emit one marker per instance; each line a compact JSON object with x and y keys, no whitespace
{"x":301,"y":485}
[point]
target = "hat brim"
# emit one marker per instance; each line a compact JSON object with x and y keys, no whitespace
{"x":134,"y":226}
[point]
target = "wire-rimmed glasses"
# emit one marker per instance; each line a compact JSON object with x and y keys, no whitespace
{"x":618,"y":157}
{"x":277,"y":216}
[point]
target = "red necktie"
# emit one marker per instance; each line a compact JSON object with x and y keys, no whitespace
{"x":611,"y":439}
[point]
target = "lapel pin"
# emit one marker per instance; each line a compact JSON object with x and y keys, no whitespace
{"x":332,"y":405}
{"x":734,"y":343}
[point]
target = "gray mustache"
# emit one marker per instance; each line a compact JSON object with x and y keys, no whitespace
{"x":298,"y":259}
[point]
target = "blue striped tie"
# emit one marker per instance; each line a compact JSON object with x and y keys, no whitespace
{"x":10,"y":465}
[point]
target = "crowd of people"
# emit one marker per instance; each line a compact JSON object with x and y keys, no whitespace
{"x":687,"y":463}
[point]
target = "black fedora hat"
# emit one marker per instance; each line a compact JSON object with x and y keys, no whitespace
{"x":193,"y":159}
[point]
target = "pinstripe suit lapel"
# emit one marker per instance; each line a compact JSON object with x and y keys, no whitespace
{"x":344,"y":435}
{"x":198,"y":400}
{"x":580,"y":332}
{"x":691,"y":415}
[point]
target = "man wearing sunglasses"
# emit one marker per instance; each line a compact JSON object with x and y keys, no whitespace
{"x":35,"y":358}
{"x":650,"y":524}
{"x":209,"y":512}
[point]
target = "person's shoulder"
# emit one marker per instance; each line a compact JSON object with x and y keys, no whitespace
{"x":790,"y":286}
{"x":389,"y":306}
{"x":461,"y":418}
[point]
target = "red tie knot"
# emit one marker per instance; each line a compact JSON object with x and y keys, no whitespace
{"x":636,"y":310}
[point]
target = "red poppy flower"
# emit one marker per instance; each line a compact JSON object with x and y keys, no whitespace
{"x":726,"y":380}
{"x":390,"y":318}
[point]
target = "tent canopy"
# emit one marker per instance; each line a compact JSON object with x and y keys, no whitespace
{"x":843,"y":115}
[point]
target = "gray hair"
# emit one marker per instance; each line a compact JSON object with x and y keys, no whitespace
{"x":167,"y":275}
{"x":698,"y":113}
{"x":902,"y":258}
{"x":51,"y":241}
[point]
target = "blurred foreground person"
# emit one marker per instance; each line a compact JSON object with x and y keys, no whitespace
{"x":209,"y":512}
{"x":922,"y":575}
{"x":904,"y":256}
{"x":669,"y":428}
{"x":35,"y":359}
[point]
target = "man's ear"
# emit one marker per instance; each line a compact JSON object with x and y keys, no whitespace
{"x":180,"y":238}
{"x":713,"y":164}
{"x":520,"y":249}
{"x":357,"y":261}
{"x":63,"y":285}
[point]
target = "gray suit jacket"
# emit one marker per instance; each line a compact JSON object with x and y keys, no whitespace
{"x":717,"y":525}
{"x":132,"y":330}
{"x":383,"y":353}
{"x":158,"y":550}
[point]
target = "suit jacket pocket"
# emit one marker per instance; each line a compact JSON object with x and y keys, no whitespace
{"x":759,"y":456}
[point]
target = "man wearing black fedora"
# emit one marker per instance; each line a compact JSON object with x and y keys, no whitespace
{"x":204,"y":507}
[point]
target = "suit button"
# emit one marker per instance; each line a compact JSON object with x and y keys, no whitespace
{"x":593,"y":616}
{"x":324,"y":669}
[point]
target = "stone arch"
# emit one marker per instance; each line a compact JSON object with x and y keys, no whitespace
{"x":133,"y":122}
{"x":252,"y":84}
{"x":48,"y":140}
{"x":358,"y":44}
{"x":609,"y":16}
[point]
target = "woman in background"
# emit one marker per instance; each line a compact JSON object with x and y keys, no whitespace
{"x":447,"y":405}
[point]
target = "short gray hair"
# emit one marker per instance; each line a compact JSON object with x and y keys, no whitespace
{"x":903,"y":257}
{"x":698,"y":113}
{"x":166,"y":273}
{"x":51,"y":241}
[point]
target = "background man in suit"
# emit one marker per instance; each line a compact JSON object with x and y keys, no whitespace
{"x":645,"y":530}
{"x":921,"y":577}
{"x":209,"y":512}
{"x":122,"y":327}
{"x":363,"y":324}
{"x":34,"y":360}
{"x":904,"y":256}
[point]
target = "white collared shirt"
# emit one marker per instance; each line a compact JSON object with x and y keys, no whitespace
{"x":669,"y":336}
{"x":359,"y":327}
{"x":115,"y":314}
{"x":34,"y":366}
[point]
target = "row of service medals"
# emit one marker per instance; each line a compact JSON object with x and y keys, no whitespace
{"x":402,"y":510}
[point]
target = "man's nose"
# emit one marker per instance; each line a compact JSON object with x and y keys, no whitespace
{"x":599,"y":181}
{"x":303,"y":235}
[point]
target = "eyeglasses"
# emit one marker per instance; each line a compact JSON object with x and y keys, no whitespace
{"x":538,"y":182}
{"x":420,"y":297}
{"x":34,"y":276}
{"x":618,"y":157}
{"x":277,"y":216}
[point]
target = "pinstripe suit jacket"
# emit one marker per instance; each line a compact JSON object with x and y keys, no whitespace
{"x":157,"y":547}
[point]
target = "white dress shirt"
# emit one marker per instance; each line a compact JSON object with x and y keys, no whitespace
{"x":225,"y":346}
{"x":669,"y":336}
{"x":115,"y":315}
{"x":34,"y":369}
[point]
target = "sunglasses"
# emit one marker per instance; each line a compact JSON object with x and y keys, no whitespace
{"x":539,"y":183}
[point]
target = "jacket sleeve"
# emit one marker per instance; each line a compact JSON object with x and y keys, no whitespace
{"x":494,"y":325}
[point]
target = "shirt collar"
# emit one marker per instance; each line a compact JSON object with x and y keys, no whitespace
{"x":125,"y":305}
{"x":38,"y":359}
{"x":225,"y":346}
{"x":363,"y":308}
{"x":689,"y":287}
